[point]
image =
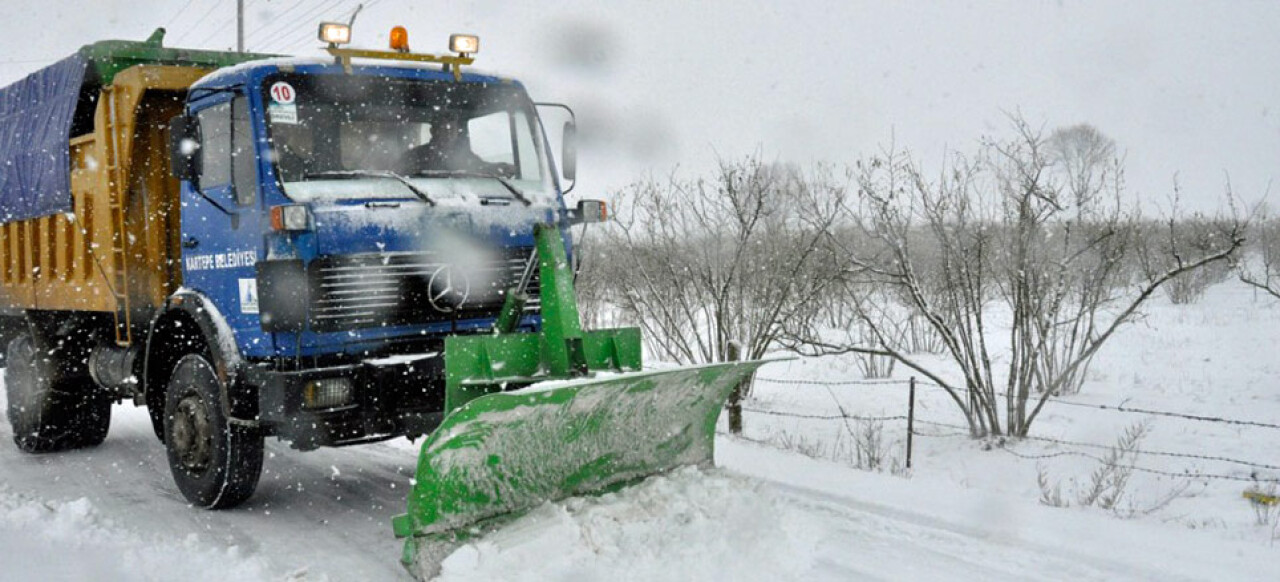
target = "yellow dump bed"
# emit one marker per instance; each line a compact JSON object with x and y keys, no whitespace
{"x":118,"y":249}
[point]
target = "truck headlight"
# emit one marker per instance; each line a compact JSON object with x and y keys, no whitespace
{"x":326,"y":393}
{"x":294,"y":217}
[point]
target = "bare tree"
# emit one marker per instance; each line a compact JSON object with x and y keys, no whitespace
{"x":1084,"y":157}
{"x":1196,"y":233}
{"x":700,"y":264}
{"x":1018,"y":252}
{"x":1263,"y":271}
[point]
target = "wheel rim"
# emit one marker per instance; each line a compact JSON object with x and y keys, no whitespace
{"x":192,"y":434}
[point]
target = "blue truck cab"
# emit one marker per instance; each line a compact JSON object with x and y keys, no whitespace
{"x":339,"y":219}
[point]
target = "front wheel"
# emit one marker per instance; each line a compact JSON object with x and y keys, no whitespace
{"x":215,"y":463}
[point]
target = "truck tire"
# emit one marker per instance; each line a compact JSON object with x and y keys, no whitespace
{"x":216,"y":464}
{"x":48,"y":415}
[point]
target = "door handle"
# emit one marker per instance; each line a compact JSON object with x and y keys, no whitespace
{"x":190,"y":242}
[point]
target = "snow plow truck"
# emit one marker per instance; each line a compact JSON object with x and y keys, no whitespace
{"x":329,"y":251}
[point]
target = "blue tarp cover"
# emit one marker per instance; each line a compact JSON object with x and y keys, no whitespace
{"x":35,"y":126}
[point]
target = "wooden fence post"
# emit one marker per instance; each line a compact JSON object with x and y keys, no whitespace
{"x":735,"y":399}
{"x":911,"y":417}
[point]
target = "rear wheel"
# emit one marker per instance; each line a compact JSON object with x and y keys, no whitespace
{"x":49,"y":414}
{"x":215,"y":463}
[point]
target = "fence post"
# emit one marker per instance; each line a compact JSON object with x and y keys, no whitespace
{"x":911,"y":416}
{"x":734,"y":352}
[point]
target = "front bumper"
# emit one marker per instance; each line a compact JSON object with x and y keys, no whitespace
{"x":390,"y":398}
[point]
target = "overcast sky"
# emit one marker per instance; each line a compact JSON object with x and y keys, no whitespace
{"x":1184,"y":87}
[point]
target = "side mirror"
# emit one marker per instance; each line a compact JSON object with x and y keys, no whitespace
{"x":589,"y":211}
{"x":184,"y":148}
{"x":569,"y":154}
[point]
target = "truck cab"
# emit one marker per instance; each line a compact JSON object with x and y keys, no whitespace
{"x":339,"y":220}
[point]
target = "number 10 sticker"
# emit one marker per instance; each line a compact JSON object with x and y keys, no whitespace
{"x":283,"y":93}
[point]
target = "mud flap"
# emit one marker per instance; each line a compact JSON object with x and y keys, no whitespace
{"x":504,"y":453}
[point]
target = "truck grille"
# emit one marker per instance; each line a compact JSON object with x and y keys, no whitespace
{"x":381,"y":289}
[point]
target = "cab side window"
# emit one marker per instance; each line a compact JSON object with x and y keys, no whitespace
{"x":227,"y":150}
{"x":244,"y":170}
{"x":215,"y":146}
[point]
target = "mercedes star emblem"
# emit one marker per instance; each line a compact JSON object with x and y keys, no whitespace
{"x":448,"y":290}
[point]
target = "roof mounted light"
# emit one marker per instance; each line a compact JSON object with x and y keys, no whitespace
{"x":335,"y":33}
{"x":400,"y":39}
{"x":464,"y":44}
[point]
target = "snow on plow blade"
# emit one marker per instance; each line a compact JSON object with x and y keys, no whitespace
{"x":507,"y":452}
{"x":582,"y":417}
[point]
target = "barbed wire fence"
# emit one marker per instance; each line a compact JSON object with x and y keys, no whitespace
{"x":936,"y":429}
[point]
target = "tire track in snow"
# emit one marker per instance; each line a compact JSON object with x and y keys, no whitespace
{"x":902,"y":545}
{"x":323,"y":513}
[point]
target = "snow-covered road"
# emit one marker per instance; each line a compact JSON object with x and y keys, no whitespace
{"x":323,"y":513}
{"x":114,"y":513}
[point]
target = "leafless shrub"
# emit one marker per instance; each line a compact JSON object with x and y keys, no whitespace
{"x":1108,"y":482}
{"x":813,"y":448}
{"x":862,"y":446}
{"x":1265,"y":511}
{"x":865,"y":447}
{"x":1195,"y":235}
{"x":869,"y":447}
{"x":1050,"y":495}
{"x":1010,"y":227}
{"x":922,"y":338}
{"x":1262,"y":271}
{"x":1108,"y":486}
{"x":705,"y":264}
{"x":866,"y":437}
{"x":597,"y":298}
{"x":873,"y":365}
{"x":1189,"y":288}
{"x":699,"y":263}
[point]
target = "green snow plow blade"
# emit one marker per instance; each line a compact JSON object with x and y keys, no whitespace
{"x":537,"y":417}
{"x":508,"y":452}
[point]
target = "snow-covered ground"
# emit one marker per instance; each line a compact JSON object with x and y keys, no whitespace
{"x":769,"y":515}
{"x":963,"y":513}
{"x":1215,"y":358}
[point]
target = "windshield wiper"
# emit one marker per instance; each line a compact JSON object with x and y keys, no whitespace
{"x":374,"y":174}
{"x":515,"y":191}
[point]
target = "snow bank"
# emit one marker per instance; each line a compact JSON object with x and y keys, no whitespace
{"x":771,"y":515}
{"x":894,"y":528}
{"x":72,"y":541}
{"x":689,"y":525}
{"x":1214,"y":358}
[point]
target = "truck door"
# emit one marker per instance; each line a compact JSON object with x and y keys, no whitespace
{"x":222,"y":221}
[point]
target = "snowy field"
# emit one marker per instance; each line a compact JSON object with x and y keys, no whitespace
{"x":1216,"y":358}
{"x":766,"y":512}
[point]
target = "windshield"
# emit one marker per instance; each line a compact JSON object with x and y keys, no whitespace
{"x":343,"y":136}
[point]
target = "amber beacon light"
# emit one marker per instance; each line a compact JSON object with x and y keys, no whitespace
{"x":400,"y":39}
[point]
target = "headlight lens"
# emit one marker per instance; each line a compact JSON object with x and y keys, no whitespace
{"x":335,"y":33}
{"x":326,"y":393}
{"x":468,"y":44}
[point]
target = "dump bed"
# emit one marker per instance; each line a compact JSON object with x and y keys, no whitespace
{"x":89,"y":210}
